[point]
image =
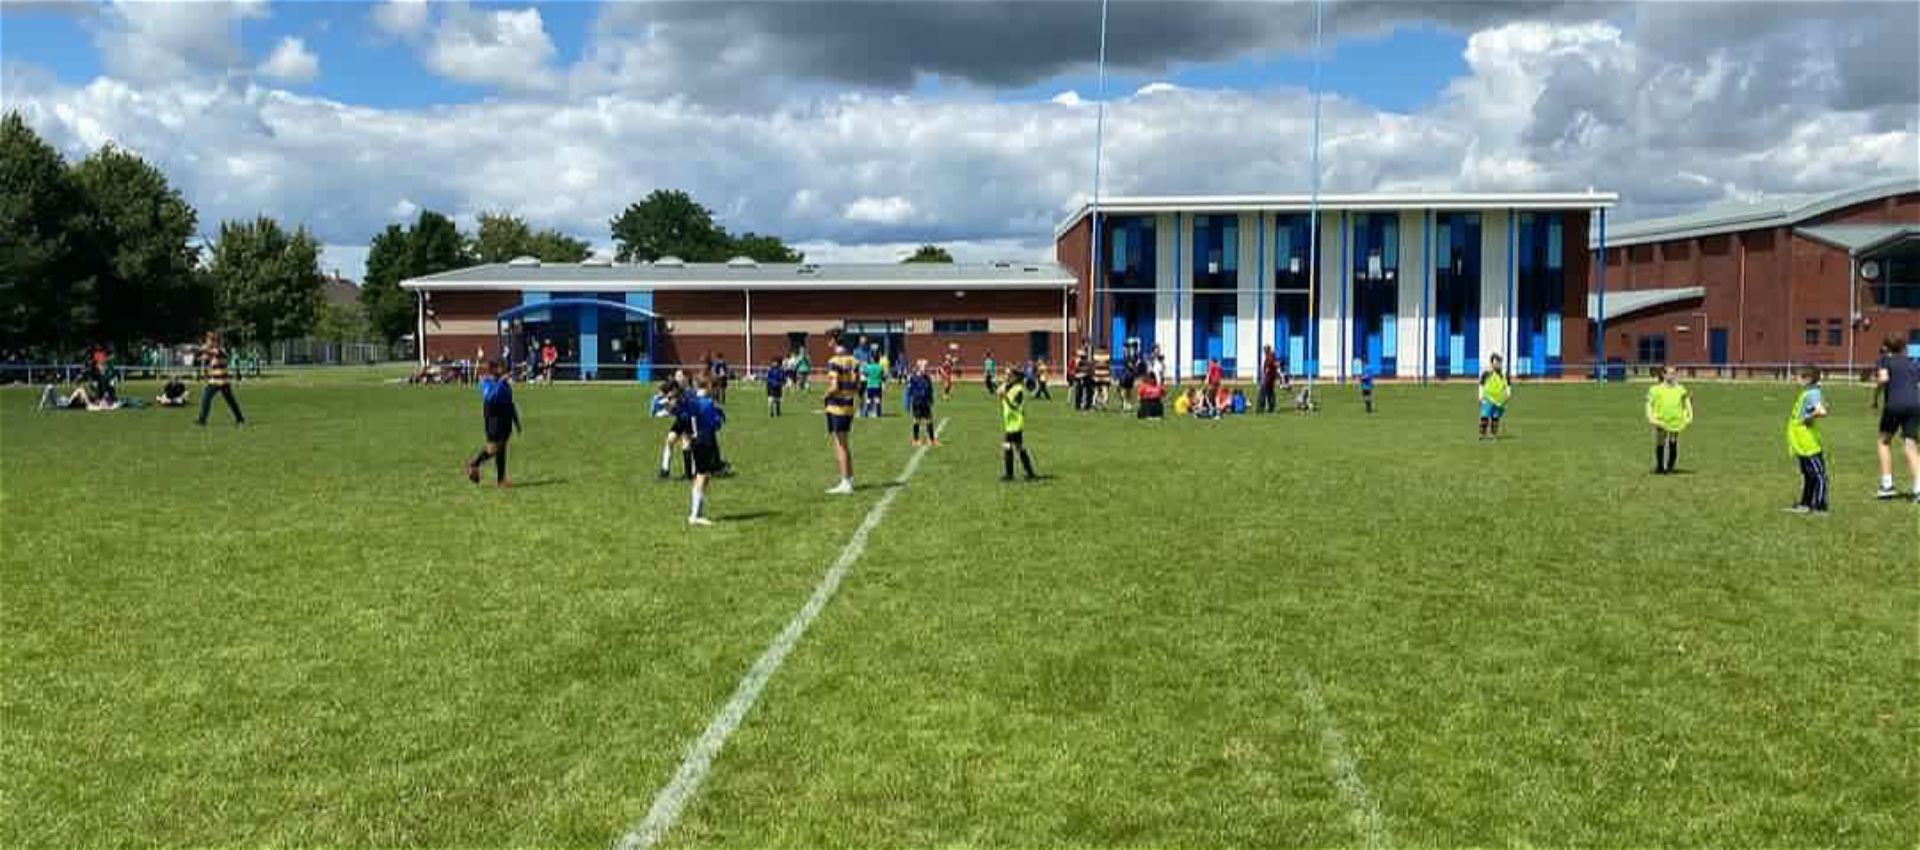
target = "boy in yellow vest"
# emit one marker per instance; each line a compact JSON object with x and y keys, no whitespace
{"x":1803,"y":440}
{"x":1013,"y":418}
{"x":1670,"y":411}
{"x":1494,"y":392}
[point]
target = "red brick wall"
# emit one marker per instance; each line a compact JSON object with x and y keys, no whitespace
{"x":1071,"y":250}
{"x":1575,"y":344}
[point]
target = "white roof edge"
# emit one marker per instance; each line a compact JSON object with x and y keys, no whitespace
{"x":429,"y":283}
{"x":1125,"y":205}
{"x":1693,"y":226}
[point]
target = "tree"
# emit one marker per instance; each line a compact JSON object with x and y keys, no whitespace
{"x":46,"y":278}
{"x":930,"y":254}
{"x":766,"y":249}
{"x":389,"y":309}
{"x":268,"y":279}
{"x":435,"y":246}
{"x":140,"y":231}
{"x":339,"y":322}
{"x":670,"y":224}
{"x":503,"y":237}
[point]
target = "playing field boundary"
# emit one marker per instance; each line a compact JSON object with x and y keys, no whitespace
{"x":1345,"y":769}
{"x":698,"y":761}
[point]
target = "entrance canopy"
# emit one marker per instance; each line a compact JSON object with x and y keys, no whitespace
{"x":535,"y":306}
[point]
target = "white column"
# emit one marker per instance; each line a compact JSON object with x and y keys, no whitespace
{"x":1332,"y":282}
{"x":1412,"y":276}
{"x":1246,"y":333}
{"x":1494,"y":309}
{"x":1163,"y":243}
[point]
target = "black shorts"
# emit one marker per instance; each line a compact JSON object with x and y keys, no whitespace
{"x":499,"y":429}
{"x":1014,"y":438}
{"x":774,"y":394}
{"x":1152,"y":408}
{"x":923,"y":410}
{"x":706,"y":457}
{"x":1906,"y":423}
{"x":839,"y":424}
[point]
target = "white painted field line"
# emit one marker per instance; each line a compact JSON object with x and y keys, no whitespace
{"x":1361,"y":809}
{"x":698,"y":761}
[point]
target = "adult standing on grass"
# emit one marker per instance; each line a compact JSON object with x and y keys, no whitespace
{"x":500,"y":417}
{"x":843,"y":381}
{"x":1896,"y":388}
{"x":1670,"y":411}
{"x":219,"y":382}
{"x":1269,"y":379}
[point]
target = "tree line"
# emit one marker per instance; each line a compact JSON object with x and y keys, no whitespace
{"x":104,"y":250}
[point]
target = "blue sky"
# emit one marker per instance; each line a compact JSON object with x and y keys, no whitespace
{"x":842,"y":127}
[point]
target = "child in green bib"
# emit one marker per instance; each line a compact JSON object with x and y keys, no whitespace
{"x":1670,"y":411}
{"x":1494,"y":392}
{"x":1803,"y":441}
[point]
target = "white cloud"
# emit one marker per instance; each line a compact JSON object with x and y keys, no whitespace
{"x":1155,"y":88}
{"x":401,"y":17}
{"x":1540,"y":107}
{"x":291,"y":62}
{"x":152,"y":41}
{"x":889,"y":210}
{"x":500,"y":47}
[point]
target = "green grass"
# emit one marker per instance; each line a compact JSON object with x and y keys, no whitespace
{"x":312,"y":631}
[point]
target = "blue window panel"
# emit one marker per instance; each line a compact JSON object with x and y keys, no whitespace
{"x":1119,"y":249}
{"x":1297,"y":352}
{"x":1282,"y":245}
{"x":1389,"y":336}
{"x":1230,"y":245}
{"x":1554,"y":247}
{"x":1390,"y":235}
{"x":536,"y":315}
{"x":1230,"y":336}
{"x":1457,"y":354}
{"x":1553,"y":334}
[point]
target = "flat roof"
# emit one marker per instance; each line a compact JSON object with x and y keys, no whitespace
{"x":1623,"y":302}
{"x":1335,"y":202}
{"x":759,"y":277}
{"x":1778,"y":211}
{"x":1860,"y":238}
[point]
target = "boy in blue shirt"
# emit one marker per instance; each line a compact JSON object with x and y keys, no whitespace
{"x":501,"y":419}
{"x":706,"y":418}
{"x":920,"y":402}
{"x":1366,"y":386}
{"x":776,"y":386}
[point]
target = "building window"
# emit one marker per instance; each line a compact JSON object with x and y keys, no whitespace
{"x":959,"y":326}
{"x":1893,"y":276}
{"x":1216,"y":252}
{"x":1836,"y":333}
{"x":1813,"y":331}
{"x":1653,"y":348}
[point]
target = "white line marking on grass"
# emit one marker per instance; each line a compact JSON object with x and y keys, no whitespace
{"x":698,"y":761}
{"x":1361,"y":809}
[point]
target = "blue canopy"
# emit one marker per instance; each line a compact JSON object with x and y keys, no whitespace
{"x":532,"y":306}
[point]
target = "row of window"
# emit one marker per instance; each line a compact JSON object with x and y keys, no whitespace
{"x":1836,"y":332}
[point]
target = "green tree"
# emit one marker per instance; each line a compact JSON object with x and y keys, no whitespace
{"x":268,"y":279}
{"x":46,"y":275}
{"x":930,"y":254}
{"x":340,"y":322}
{"x":503,"y":237}
{"x":670,"y":224}
{"x":141,"y":232}
{"x":435,"y":246}
{"x":766,"y":249}
{"x":389,"y":309}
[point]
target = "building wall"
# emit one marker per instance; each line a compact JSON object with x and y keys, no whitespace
{"x":1762,"y":285}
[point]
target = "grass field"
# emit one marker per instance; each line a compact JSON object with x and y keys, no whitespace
{"x":1330,"y":631}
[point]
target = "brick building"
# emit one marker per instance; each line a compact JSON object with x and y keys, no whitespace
{"x":621,"y":321}
{"x":1819,"y":279}
{"x":1410,"y":285}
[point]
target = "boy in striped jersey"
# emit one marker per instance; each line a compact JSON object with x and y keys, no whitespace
{"x":218,"y":381}
{"x":843,"y":382}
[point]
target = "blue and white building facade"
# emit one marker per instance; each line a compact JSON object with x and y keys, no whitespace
{"x":1408,"y":285}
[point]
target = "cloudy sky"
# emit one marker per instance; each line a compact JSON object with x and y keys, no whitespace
{"x":856,"y":128}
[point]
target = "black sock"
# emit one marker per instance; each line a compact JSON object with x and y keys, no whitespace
{"x":1483,"y":426}
{"x":1673,"y":454}
{"x":686,"y":462}
{"x":1659,"y":458}
{"x":478,"y":458}
{"x":1026,"y":462}
{"x":1006,"y":463}
{"x":500,"y":464}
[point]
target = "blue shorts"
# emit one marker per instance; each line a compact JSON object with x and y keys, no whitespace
{"x":1489,"y":410}
{"x":874,"y":392}
{"x":839,"y":424}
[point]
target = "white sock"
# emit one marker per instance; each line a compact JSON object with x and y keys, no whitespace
{"x":1886,"y":482}
{"x":666,"y":458}
{"x":699,"y":504}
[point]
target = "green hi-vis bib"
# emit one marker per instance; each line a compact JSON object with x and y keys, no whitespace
{"x":1803,"y":437}
{"x":1013,"y":402}
{"x":1497,"y":389}
{"x":1667,"y":405}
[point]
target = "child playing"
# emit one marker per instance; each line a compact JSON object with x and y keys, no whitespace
{"x":706,"y":418}
{"x":1494,"y":392}
{"x":1151,"y":395}
{"x":668,"y":403}
{"x":501,"y":419}
{"x":873,"y":374}
{"x":1803,"y":440}
{"x":946,"y":376}
{"x":1670,"y":411}
{"x":776,"y":386}
{"x":988,"y":366}
{"x":920,"y":403}
{"x":1366,"y":386}
{"x":1013,"y":418}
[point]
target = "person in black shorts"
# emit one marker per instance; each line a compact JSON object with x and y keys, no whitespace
{"x":501,"y":418}
{"x":920,"y":403}
{"x":705,"y":418}
{"x":1897,"y":390}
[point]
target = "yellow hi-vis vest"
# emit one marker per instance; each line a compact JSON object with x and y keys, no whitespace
{"x":1803,"y":436}
{"x":1496,"y":388}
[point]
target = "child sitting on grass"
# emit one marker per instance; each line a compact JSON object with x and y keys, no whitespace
{"x":1670,"y":411}
{"x":1803,"y":441}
